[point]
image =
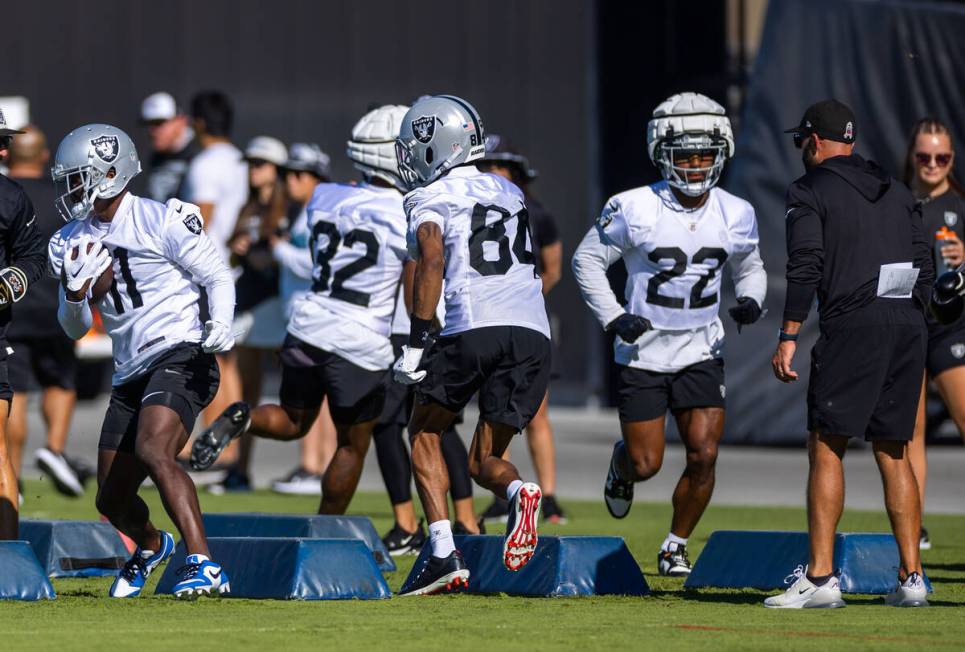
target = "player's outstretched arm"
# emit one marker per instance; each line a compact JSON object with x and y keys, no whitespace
{"x":590,"y":262}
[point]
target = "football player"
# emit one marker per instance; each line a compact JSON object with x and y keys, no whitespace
{"x":674,"y":237}
{"x":165,"y":373}
{"x":338,"y":333}
{"x":469,"y":235}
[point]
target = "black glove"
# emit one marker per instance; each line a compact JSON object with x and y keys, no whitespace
{"x":629,"y":327}
{"x":13,"y":286}
{"x":745,"y":312}
{"x":948,"y":286}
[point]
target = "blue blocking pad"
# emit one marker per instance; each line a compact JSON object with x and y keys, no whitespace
{"x":254,"y":524}
{"x":561,"y":566}
{"x":736,"y":559}
{"x":75,"y":548}
{"x":289,"y":569}
{"x":21,"y":575}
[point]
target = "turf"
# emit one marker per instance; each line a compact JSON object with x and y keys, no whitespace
{"x":671,"y":618}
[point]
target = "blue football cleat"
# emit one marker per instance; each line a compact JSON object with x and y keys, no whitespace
{"x":200,"y":576}
{"x":131,"y":579}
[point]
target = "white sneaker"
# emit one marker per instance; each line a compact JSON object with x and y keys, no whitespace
{"x":803,"y":594}
{"x":59,"y":471}
{"x":910,"y":593}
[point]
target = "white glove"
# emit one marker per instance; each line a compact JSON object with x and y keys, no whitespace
{"x":88,"y":266}
{"x":405,"y":368}
{"x":218,"y":337}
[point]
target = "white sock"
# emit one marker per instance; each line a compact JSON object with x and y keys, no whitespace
{"x":440,"y":538}
{"x":673,"y":539}
{"x":513,"y":488}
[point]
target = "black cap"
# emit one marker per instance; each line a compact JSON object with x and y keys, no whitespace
{"x":499,"y":149}
{"x":828,"y":119}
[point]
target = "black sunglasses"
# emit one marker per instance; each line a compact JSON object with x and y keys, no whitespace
{"x":799,"y":139}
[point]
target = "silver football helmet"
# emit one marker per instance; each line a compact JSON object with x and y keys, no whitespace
{"x":688,"y":124}
{"x":83,"y":164}
{"x":437,"y":134}
{"x":372,"y":147}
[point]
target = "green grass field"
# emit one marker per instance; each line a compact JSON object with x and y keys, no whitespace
{"x":82,"y":617}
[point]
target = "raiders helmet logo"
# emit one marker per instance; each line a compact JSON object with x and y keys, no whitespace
{"x":106,"y":147}
{"x":951,"y":218}
{"x":193,"y":222}
{"x":849,"y":131}
{"x":723,"y":392}
{"x":958,"y":350}
{"x":424,"y":128}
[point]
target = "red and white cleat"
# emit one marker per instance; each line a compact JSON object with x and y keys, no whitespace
{"x":521,"y":537}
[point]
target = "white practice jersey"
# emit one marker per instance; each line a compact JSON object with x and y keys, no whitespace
{"x":161,"y":259}
{"x":490,"y":276}
{"x":674,"y":258}
{"x":358,"y":249}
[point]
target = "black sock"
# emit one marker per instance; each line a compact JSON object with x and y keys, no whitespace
{"x":819,"y":580}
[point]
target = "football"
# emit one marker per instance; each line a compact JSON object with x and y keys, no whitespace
{"x":103,"y":284}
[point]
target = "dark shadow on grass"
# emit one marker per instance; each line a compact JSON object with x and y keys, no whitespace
{"x":947,"y":567}
{"x":704,"y":595}
{"x":80,"y":594}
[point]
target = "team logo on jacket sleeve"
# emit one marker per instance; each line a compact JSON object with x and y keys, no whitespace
{"x":424,"y":128}
{"x":193,"y":222}
{"x":951,"y":218}
{"x":106,"y":147}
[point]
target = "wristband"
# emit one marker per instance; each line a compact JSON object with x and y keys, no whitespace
{"x":419,"y":332}
{"x":786,"y":337}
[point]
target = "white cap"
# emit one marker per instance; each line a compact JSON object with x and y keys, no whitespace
{"x":4,"y":129}
{"x":309,"y":157}
{"x":159,"y":106}
{"x":266,"y":148}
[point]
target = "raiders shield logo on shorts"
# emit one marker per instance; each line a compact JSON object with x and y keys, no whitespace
{"x":193,"y":222}
{"x":958,"y":350}
{"x":106,"y":147}
{"x":424,"y":128}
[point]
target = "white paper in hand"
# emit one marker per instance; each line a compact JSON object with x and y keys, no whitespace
{"x":897,"y":280}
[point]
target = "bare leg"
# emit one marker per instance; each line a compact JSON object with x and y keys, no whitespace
{"x":119,"y":476}
{"x":250,"y":370}
{"x":539,"y":437}
{"x":9,"y":503}
{"x":160,"y":435}
{"x":644,"y":441}
{"x":901,"y":501}
{"x":17,"y":430}
{"x":57,"y":406}
{"x":342,"y":475}
{"x":486,"y":465}
{"x":916,"y":447}
{"x":951,"y":385}
{"x":701,"y":430}
{"x":281,"y":422}
{"x":825,"y":499}
{"x":428,"y":464}
{"x":318,"y":446}
{"x":405,"y":517}
{"x":466,"y":514}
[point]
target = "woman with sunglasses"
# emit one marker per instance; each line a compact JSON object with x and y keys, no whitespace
{"x":928,"y":172}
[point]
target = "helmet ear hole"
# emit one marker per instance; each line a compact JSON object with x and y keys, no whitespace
{"x":429,"y":156}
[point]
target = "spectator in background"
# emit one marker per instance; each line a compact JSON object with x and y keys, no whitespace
{"x":928,"y":172}
{"x":505,"y":160}
{"x":217,"y":182}
{"x":43,"y":356}
{"x":173,"y":145}
{"x":307,"y":167}
{"x":259,"y":313}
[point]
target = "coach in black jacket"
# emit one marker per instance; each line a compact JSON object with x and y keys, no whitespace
{"x":855,"y":238}
{"x":23,"y":259}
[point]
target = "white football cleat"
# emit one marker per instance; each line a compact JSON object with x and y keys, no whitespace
{"x":803,"y":594}
{"x":910,"y":593}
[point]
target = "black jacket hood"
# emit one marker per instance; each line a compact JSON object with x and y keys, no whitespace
{"x":865,"y":176}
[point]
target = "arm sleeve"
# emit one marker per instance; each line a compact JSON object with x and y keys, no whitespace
{"x":298,"y":260}
{"x":590,"y":262}
{"x":750,"y":279}
{"x":25,"y":243}
{"x":75,"y":318}
{"x":805,"y":252}
{"x":923,"y":258}
{"x":196,"y":254}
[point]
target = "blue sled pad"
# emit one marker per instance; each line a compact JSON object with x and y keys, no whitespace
{"x":21,"y":575}
{"x":735,"y":559}
{"x":290,"y":569}
{"x":254,"y":524}
{"x":75,"y":548}
{"x":562,"y":566}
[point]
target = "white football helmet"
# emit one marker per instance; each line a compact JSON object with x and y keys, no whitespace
{"x":372,"y":147}
{"x":689,"y":122}
{"x":437,"y":134}
{"x":81,"y":166}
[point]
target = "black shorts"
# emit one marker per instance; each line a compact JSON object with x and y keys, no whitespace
{"x":310,"y":374}
{"x":508,"y":365}
{"x":184,"y":379}
{"x":866,"y":373}
{"x":398,"y":397}
{"x":645,"y":395}
{"x":39,"y":363}
{"x":946,"y":350}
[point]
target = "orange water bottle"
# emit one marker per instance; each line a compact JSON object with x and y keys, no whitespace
{"x":942,"y":236}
